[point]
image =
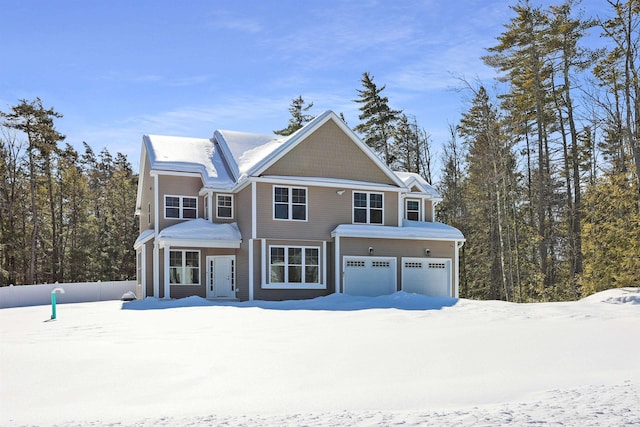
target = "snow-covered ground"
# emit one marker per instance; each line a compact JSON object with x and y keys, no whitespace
{"x":339,"y":360}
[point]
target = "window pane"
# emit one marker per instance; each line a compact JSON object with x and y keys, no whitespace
{"x":281,"y":211}
{"x":299,"y":212}
{"x":295,"y":274}
{"x":174,"y":275}
{"x":281,"y":194}
{"x":224,"y":201}
{"x":311,"y":274}
{"x":189,"y":202}
{"x":375,"y":216}
{"x":193,"y":275}
{"x":175,"y":258}
{"x":360,"y":200}
{"x":172,"y":213}
{"x":412,"y":216}
{"x":298,"y":195}
{"x":360,"y":215}
{"x":413,"y":205}
{"x":277,"y":256}
{"x":224,"y":212}
{"x":375,"y":201}
{"x":189,"y":213}
{"x":277,"y":274}
{"x":311,"y":256}
{"x":295,"y":256}
{"x":192,"y":259}
{"x":172,"y":202}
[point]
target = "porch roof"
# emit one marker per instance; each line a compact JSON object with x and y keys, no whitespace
{"x":200,"y":233}
{"x":410,"y":230}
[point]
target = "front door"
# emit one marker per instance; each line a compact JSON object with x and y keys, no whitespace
{"x":221,"y":276}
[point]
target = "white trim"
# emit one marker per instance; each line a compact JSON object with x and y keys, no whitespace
{"x":156,"y":270}
{"x":168,"y":251}
{"x":458,"y":245}
{"x":156,"y":202}
{"x":321,"y":284}
{"x":368,"y":207}
{"x":325,"y":280}
{"x":156,"y":172}
{"x":254,"y":209}
{"x":326,"y":183}
{"x":420,"y":208}
{"x":180,"y":207}
{"x":250,"y":269}
{"x":167,"y":286}
{"x":143,"y":272}
{"x":337,"y":264}
{"x":205,"y":203}
{"x":289,"y":203}
{"x":232,"y":205}
{"x":263,"y":267}
{"x":229,"y":244}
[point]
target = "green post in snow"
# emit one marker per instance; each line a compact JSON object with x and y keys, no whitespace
{"x":53,"y":301}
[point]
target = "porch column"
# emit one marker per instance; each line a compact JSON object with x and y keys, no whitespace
{"x":156,"y":270}
{"x":337,"y":265}
{"x":167,"y":286}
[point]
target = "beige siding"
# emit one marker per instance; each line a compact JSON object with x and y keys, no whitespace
{"x":428,"y":211}
{"x":146,"y":221}
{"x":149,"y":266}
{"x":178,"y":186}
{"x":326,"y":210}
{"x":399,"y":249}
{"x":329,"y":152}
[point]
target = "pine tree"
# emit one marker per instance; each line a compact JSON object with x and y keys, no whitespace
{"x":299,"y":116}
{"x":378,"y":119}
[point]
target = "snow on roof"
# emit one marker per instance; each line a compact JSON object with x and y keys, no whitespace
{"x":182,"y":154}
{"x":202,"y":233}
{"x":417,"y":230}
{"x":411,"y":178}
{"x":144,"y":237}
{"x":249,"y":149}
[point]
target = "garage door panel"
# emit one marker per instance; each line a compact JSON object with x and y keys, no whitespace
{"x":427,"y":276}
{"x":369,"y":276}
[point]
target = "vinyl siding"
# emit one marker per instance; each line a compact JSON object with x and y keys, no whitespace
{"x":329,"y":152}
{"x":178,"y":186}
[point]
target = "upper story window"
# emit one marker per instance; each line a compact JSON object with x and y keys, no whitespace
{"x":180,"y":207}
{"x":290,"y":203}
{"x":367,"y":208}
{"x":224,"y":206}
{"x":206,"y":206}
{"x":412,"y":210}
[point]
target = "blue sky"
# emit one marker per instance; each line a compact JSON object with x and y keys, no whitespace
{"x":120,"y":69}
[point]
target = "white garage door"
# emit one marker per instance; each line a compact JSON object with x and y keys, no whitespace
{"x":427,"y":276}
{"x":369,"y":276}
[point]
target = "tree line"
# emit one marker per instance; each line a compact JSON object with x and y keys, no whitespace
{"x":64,"y":216}
{"x":542,"y":177}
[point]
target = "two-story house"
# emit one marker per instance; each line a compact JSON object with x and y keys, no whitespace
{"x":267,"y":217}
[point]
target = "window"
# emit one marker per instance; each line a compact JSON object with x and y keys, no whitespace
{"x":367,"y":208}
{"x":295,"y":265}
{"x":290,"y":203}
{"x":206,"y":207}
{"x":224,"y":206}
{"x":184,"y":267}
{"x":412,"y":211}
{"x":180,"y":207}
{"x":149,"y":213}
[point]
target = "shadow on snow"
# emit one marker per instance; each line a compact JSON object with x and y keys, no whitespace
{"x":334,"y":302}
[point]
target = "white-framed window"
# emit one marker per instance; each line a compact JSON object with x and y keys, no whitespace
{"x":368,"y":208}
{"x":184,"y":267}
{"x":224,"y":206}
{"x":295,"y":265}
{"x":412,"y":209}
{"x":290,"y":203}
{"x":149,"y":213}
{"x":180,"y":207}
{"x":206,"y":207}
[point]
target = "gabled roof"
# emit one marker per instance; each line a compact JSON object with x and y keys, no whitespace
{"x":195,"y":155}
{"x":246,"y":150}
{"x":412,"y":179}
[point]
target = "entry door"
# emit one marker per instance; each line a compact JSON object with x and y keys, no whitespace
{"x":221,"y":278}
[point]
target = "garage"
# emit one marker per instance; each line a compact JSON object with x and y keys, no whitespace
{"x":427,"y":276}
{"x":369,"y":276}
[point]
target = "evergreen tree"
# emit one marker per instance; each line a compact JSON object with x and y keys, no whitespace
{"x":299,"y":116}
{"x":378,"y":119}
